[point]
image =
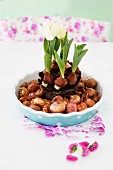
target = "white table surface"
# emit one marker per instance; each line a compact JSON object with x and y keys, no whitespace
{"x":29,"y":149}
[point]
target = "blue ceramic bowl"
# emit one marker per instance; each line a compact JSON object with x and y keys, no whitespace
{"x":57,"y":118}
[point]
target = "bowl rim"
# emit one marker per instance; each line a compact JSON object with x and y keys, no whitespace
{"x":83,"y":112}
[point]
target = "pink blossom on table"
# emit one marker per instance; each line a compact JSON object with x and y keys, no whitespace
{"x":101,"y":131}
{"x":85,"y":151}
{"x":96,"y":125}
{"x":84,"y":144}
{"x":93,"y":147}
{"x":49,"y":134}
{"x":77,"y":25}
{"x":66,"y":131}
{"x":71,"y":158}
{"x":73,"y":147}
{"x":97,"y":118}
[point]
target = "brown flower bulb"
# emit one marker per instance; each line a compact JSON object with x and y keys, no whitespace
{"x":74,"y":99}
{"x":26,"y":103}
{"x":96,"y":98}
{"x":91,"y":92}
{"x":48,"y":78}
{"x":71,"y":107}
{"x":80,"y":85}
{"x":57,"y":99}
{"x":23,"y":92}
{"x":22,"y":99}
{"x":39,"y":92}
{"x":33,"y":87}
{"x":91,"y":83}
{"x":81,"y":106}
{"x":31,"y":96}
{"x":61,"y":82}
{"x":39,"y":101}
{"x":35,"y":107}
{"x":33,"y":82}
{"x":78,"y":72}
{"x":90,"y":102}
{"x":83,"y":79}
{"x":57,"y":107}
{"x":46,"y":108}
{"x":25,"y":84}
{"x":72,"y":79}
{"x":54,"y":65}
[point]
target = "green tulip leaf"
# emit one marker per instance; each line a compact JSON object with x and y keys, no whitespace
{"x":47,"y":61}
{"x":78,"y":55}
{"x":46,"y":45}
{"x":61,"y":64}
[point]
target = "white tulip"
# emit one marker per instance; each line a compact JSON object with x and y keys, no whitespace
{"x":48,"y":31}
{"x":61,"y":33}
{"x":52,"y":30}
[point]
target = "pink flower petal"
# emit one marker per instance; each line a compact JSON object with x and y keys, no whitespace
{"x":71,"y":158}
{"x":93,"y":147}
{"x":84,"y":144}
{"x":85,"y":152}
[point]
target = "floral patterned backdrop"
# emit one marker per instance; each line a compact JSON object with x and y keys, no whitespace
{"x":27,"y":29}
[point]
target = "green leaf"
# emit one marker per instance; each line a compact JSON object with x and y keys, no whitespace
{"x":74,"y":66}
{"x":61,"y":64}
{"x":61,"y":53}
{"x":78,"y":55}
{"x":51,"y":47}
{"x":45,"y":45}
{"x":62,"y":43}
{"x":47,"y":61}
{"x":57,"y":44}
{"x":82,"y":54}
{"x":69,"y":44}
{"x":66,"y":40}
{"x":81,"y":47}
{"x":64,"y":55}
{"x":74,"y":149}
{"x":66,"y":44}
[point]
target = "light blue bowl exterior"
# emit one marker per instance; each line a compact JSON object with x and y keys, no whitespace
{"x":56,"y":118}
